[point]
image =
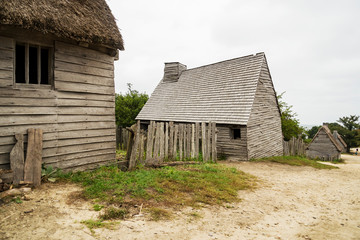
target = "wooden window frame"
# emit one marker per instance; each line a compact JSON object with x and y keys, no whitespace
{"x":50,"y":64}
{"x":233,"y":133}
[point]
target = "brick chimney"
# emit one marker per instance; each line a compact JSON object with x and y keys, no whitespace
{"x":172,"y":71}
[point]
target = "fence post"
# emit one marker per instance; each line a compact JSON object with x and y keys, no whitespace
{"x":132,"y":162}
{"x":181,"y":141}
{"x":166,"y":140}
{"x":197,"y":129}
{"x":203,"y":141}
{"x":149,"y":144}
{"x":171,"y":140}
{"x":162,"y":141}
{"x":192,"y":141}
{"x":176,"y":130}
{"x":208,"y":142}
{"x":213,"y":141}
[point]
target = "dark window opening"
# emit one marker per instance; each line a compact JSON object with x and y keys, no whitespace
{"x":236,"y":133}
{"x":33,"y":68}
{"x":32,"y":64}
{"x":20,"y":64}
{"x":44,"y":66}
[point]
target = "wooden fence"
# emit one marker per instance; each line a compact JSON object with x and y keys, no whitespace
{"x":172,"y":141}
{"x":294,"y":147}
{"x":122,"y":138}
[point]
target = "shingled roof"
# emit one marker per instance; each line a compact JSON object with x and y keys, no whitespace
{"x":89,"y":21}
{"x":223,"y":92}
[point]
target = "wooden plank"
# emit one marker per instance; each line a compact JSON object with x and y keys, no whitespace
{"x":213,"y":142}
{"x":149,"y":142}
{"x":188,"y":144}
{"x":141,"y":149}
{"x":86,"y":53}
{"x":83,"y":87}
{"x":82,"y":78}
{"x":38,"y":157}
{"x":208,"y":142}
{"x":17,"y":159}
{"x":6,"y":43}
{"x":166,"y":155}
{"x":197,"y":130}
{"x":82,"y":61}
{"x":162,"y":142}
{"x":184,"y":141}
{"x":176,"y":130}
{"x":181,"y":136}
{"x":74,"y":68}
{"x":30,"y":157}
{"x":171,"y":142}
{"x":132,"y":162}
{"x":203,"y":141}
{"x":157,"y":142}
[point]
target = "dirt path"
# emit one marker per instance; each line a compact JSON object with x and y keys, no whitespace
{"x":292,"y":203}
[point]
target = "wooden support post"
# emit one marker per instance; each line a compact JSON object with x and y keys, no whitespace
{"x":171,"y":142}
{"x":181,"y":135}
{"x":166,"y":141}
{"x":132,"y":162}
{"x":176,"y":130}
{"x":157,"y":143}
{"x":184,"y":141}
{"x":197,"y":130}
{"x":162,"y":142}
{"x":17,"y":159}
{"x":192,"y":141}
{"x":203,"y":141}
{"x":141,"y":148}
{"x":213,"y":142}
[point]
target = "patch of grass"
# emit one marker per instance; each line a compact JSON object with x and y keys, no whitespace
{"x":187,"y":185}
{"x":98,"y":207}
{"x":93,"y":224}
{"x":294,"y":161}
{"x":114,"y":213}
{"x":17,"y":200}
{"x":157,"y":214}
{"x":195,"y":215}
{"x":337,"y":161}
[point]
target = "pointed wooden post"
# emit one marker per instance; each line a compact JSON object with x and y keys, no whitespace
{"x":162,"y":142}
{"x":132,"y":162}
{"x":208,"y":142}
{"x":149,"y":143}
{"x":181,"y":136}
{"x":188,"y":139}
{"x":17,"y":159}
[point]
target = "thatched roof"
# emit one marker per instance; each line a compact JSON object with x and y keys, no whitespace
{"x":89,"y":21}
{"x":223,"y":92}
{"x":326,"y":129}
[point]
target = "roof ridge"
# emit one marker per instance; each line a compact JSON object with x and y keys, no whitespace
{"x":228,"y":60}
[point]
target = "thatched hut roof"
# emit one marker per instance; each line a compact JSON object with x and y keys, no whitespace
{"x":89,"y":21}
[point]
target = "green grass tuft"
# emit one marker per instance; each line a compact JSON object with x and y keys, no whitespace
{"x":157,"y":214}
{"x":114,"y":213}
{"x":295,"y":161}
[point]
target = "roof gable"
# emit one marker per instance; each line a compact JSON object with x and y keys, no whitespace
{"x":223,"y":92}
{"x":330,"y":136}
{"x":89,"y":21}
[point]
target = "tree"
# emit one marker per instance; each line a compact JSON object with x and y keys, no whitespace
{"x":128,"y":106}
{"x":349,"y":129}
{"x":311,"y":133}
{"x":289,"y":124}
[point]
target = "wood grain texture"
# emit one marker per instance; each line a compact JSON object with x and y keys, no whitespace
{"x":17,"y":159}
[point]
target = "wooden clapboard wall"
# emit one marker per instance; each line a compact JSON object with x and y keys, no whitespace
{"x":227,"y":146}
{"x":77,"y":115}
{"x":264,"y":126}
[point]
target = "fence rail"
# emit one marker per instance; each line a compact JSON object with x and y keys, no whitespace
{"x":294,"y":147}
{"x":173,"y":141}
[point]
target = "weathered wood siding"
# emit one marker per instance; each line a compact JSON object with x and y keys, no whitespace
{"x":232,"y":149}
{"x":78,"y":116}
{"x":322,"y":147}
{"x":264,"y":133}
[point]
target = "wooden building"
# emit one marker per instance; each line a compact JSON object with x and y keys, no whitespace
{"x":237,"y":94}
{"x":324,"y":146}
{"x":57,"y":74}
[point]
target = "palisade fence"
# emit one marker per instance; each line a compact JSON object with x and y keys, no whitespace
{"x":169,"y":141}
{"x":294,"y":147}
{"x":122,"y":138}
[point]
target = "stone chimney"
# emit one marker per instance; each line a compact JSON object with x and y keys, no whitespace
{"x":172,"y":71}
{"x":326,"y":124}
{"x":335,"y":134}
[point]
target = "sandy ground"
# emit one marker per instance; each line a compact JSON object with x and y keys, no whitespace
{"x":291,"y":203}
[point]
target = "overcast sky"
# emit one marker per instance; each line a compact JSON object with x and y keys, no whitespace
{"x":312,"y":47}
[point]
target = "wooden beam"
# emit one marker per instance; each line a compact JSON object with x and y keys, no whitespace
{"x":17,"y":159}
